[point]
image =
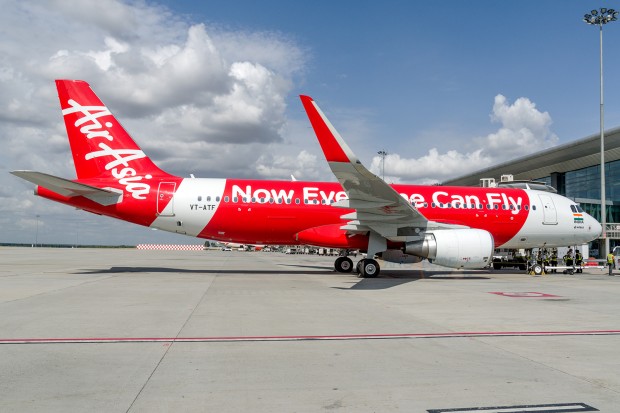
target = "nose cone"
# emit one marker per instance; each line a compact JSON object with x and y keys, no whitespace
{"x":593,"y":227}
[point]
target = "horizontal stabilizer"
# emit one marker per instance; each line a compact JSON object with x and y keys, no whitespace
{"x":70,"y":188}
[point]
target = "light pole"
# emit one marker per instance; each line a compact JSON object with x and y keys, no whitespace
{"x":383,"y":153}
{"x":36,"y":234}
{"x":600,"y":18}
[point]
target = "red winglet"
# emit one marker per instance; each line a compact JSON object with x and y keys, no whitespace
{"x":329,"y":139}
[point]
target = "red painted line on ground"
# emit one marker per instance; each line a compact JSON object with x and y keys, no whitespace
{"x":303,"y":338}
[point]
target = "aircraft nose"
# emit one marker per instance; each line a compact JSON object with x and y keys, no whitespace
{"x":594,"y":227}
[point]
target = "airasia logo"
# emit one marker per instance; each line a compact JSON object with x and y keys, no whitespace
{"x":119,"y":166}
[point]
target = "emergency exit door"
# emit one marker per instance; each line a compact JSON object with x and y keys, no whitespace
{"x":165,"y":198}
{"x":550,"y":215}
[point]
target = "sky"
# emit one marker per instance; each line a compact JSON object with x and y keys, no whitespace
{"x":211,"y":88}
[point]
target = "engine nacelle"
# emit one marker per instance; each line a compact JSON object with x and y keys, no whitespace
{"x":455,"y":248}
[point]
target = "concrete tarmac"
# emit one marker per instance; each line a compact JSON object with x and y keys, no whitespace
{"x":214,"y":331}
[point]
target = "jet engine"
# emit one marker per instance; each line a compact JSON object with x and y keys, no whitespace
{"x":455,"y":248}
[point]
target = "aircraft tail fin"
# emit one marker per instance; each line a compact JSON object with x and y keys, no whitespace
{"x":100,"y":145}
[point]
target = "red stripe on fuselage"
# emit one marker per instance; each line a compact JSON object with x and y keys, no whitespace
{"x":267,"y":221}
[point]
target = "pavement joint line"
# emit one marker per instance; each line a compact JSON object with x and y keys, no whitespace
{"x":204,"y":294}
{"x":206,"y":339}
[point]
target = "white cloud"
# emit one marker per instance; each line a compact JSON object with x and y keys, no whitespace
{"x":198,"y":99}
{"x":305,"y":166}
{"x":524,"y":130}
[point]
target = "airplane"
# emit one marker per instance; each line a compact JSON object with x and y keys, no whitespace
{"x":456,"y":227}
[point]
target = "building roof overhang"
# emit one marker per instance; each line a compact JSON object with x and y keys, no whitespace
{"x":571,"y":156}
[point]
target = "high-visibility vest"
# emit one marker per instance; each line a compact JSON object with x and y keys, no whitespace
{"x":610,"y":258}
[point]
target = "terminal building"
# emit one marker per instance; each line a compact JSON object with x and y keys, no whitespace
{"x":573,"y":169}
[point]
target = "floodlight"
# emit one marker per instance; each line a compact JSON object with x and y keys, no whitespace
{"x":593,"y":18}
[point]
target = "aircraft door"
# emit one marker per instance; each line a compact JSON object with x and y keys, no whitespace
{"x":549,"y":211}
{"x":165,"y":199}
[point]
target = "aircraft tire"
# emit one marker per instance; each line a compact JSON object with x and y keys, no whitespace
{"x":343,"y":264}
{"x":358,"y":267}
{"x":369,"y":268}
{"x":537,"y":269}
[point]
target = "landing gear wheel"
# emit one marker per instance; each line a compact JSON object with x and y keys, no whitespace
{"x":343,"y":264}
{"x":537,"y":269}
{"x":369,"y":268}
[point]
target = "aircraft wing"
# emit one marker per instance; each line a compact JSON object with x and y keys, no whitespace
{"x":70,"y":188}
{"x":377,"y":205}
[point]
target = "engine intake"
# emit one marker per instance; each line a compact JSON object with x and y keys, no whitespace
{"x":455,"y":248}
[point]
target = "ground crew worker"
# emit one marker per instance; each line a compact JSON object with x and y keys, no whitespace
{"x":610,"y":262}
{"x":578,"y":261}
{"x":528,"y":259}
{"x":554,"y":260}
{"x":569,"y":260}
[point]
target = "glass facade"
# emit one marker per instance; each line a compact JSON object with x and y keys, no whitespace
{"x":584,"y":186}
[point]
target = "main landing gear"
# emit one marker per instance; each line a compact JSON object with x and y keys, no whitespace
{"x":366,"y":268}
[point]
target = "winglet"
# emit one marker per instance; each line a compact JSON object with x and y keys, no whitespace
{"x":332,"y":144}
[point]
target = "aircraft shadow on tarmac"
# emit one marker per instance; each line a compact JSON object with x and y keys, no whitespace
{"x":124,"y":270}
{"x":387,"y":279}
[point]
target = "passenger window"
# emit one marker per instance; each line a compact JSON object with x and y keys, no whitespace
{"x":226,"y":198}
{"x":235,"y":199}
{"x":199,"y":198}
{"x":534,"y":207}
{"x":209,"y":198}
{"x":217,"y":199}
{"x":297,"y":201}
